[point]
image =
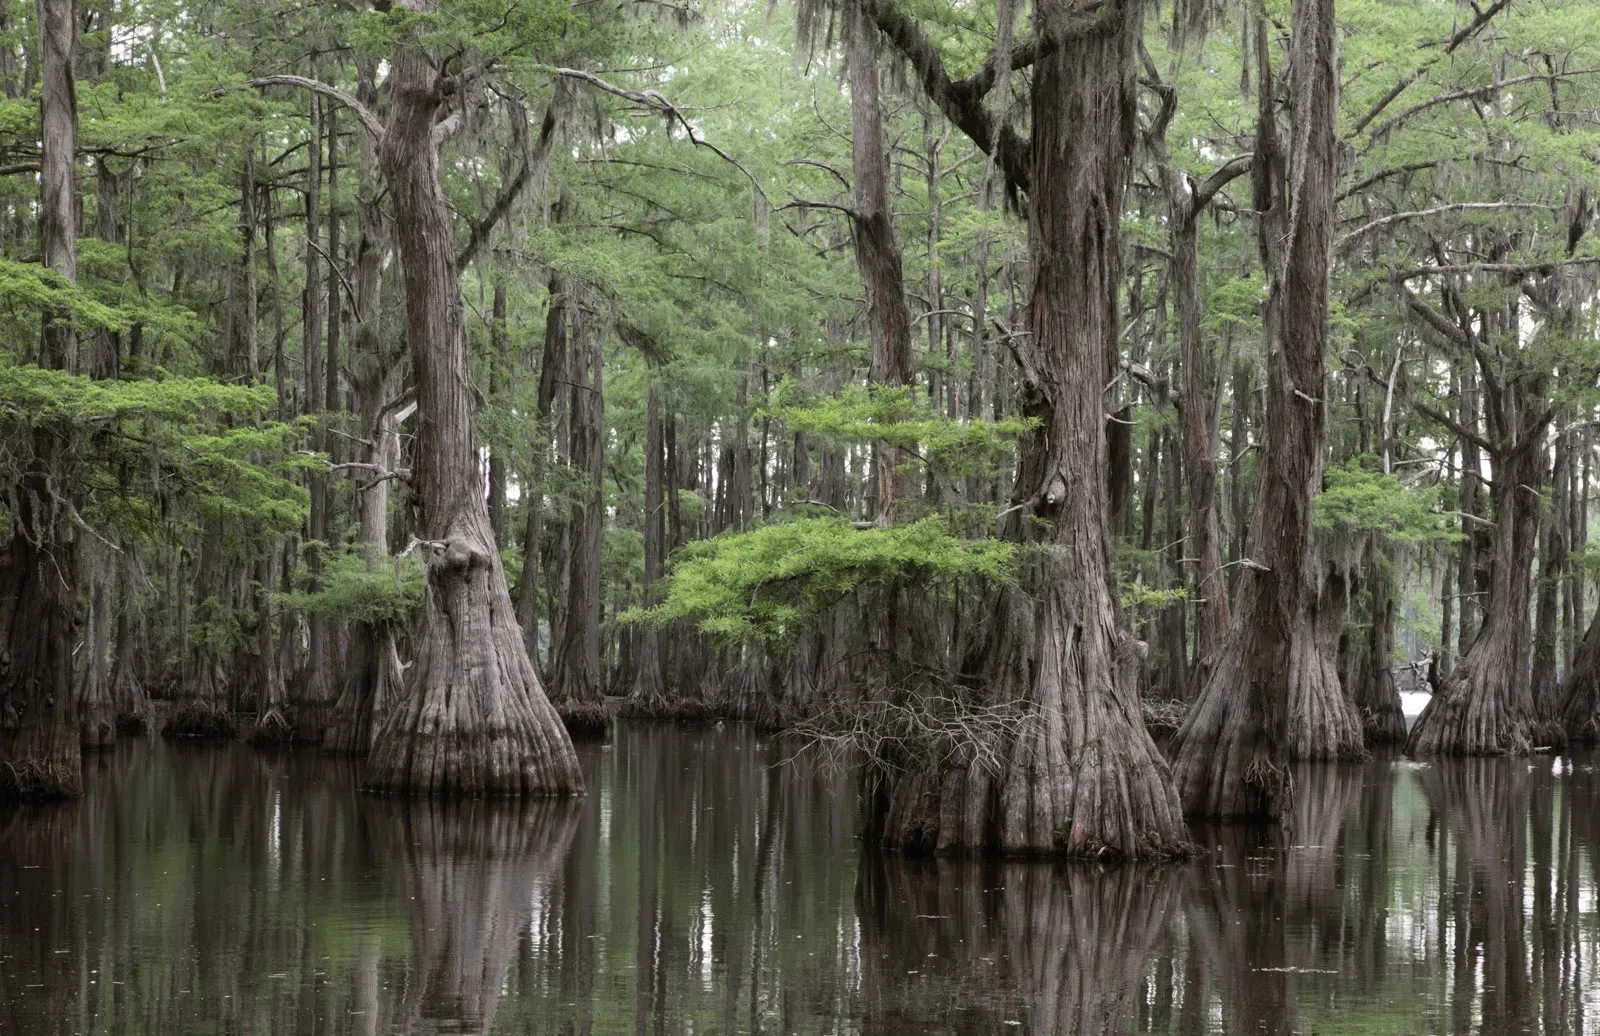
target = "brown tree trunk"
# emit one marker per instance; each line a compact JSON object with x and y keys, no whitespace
{"x":648,"y":696}
{"x":475,"y":719}
{"x":1230,"y":756}
{"x":1080,"y":775}
{"x":1375,"y":694}
{"x":552,"y":371}
{"x":1486,"y":707}
{"x":97,"y":712}
{"x":1552,"y":568}
{"x":372,"y":679}
{"x":577,"y":686}
{"x":877,"y":249}
{"x":40,"y":755}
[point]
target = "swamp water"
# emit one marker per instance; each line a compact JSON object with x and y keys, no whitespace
{"x":700,"y":889}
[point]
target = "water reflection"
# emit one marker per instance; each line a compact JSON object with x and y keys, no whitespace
{"x":704,"y":888}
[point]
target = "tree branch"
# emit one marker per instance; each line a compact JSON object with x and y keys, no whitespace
{"x":1230,"y":170}
{"x":1463,"y":206}
{"x":1476,"y":91}
{"x":1465,"y":33}
{"x":533,"y":160}
{"x":655,"y":102}
{"x":369,"y":122}
{"x":1461,"y":431}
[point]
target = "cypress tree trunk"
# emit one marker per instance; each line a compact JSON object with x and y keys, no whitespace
{"x":1486,"y":706}
{"x":1230,"y":755}
{"x":1375,"y":695}
{"x":877,"y":249}
{"x":577,"y":686}
{"x":97,"y":712}
{"x":1552,"y":567}
{"x":1080,"y":775}
{"x":648,"y":696}
{"x":39,"y":737}
{"x":475,"y":719}
{"x":373,"y":678}
{"x":552,"y":370}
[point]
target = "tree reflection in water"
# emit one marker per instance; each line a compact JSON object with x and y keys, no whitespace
{"x":710,"y":883}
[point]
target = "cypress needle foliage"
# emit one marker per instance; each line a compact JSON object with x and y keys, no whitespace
{"x":775,"y":582}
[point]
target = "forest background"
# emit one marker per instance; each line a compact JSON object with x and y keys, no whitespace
{"x":839,"y":366}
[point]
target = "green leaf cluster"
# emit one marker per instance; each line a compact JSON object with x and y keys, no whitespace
{"x":1358,"y":499}
{"x":773,"y":582}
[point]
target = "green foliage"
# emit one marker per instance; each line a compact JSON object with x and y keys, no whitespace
{"x":354,"y":590}
{"x":861,"y":414}
{"x":1357,"y":499}
{"x":775,"y":581}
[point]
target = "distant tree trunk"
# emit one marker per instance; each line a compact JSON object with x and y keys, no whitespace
{"x":1230,"y":757}
{"x":552,"y":371}
{"x":1080,"y":775}
{"x":648,"y":695}
{"x":1486,"y":707}
{"x":577,"y":685}
{"x":475,"y":719}
{"x":1580,"y":691}
{"x":40,"y":755}
{"x":372,"y":678}
{"x":97,"y":712}
{"x":497,"y":456}
{"x":200,"y":705}
{"x":1374,"y":693}
{"x":309,"y":695}
{"x":1552,"y":568}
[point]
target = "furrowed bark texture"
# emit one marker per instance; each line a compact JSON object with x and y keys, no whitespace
{"x":577,"y":685}
{"x":1375,"y":694}
{"x":877,"y":248}
{"x":1323,"y":722}
{"x":1486,"y":705}
{"x":1229,"y":757}
{"x":475,"y":720}
{"x":97,"y":711}
{"x":39,"y":749}
{"x":1079,"y":774}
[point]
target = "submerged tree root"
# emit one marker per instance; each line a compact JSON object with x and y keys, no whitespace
{"x":272,"y":729}
{"x":585,"y":719}
{"x":38,"y":782}
{"x":202,"y":720}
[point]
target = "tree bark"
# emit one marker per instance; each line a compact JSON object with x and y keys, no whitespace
{"x":1080,"y":775}
{"x":1230,"y":755}
{"x":40,"y":755}
{"x":877,"y":248}
{"x":577,"y":686}
{"x":475,"y":719}
{"x":648,"y":695}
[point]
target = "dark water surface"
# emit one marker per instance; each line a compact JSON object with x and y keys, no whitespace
{"x":698,"y":889}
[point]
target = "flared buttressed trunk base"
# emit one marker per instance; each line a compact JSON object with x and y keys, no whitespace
{"x":474,"y":720}
{"x":1478,"y":710}
{"x":1070,"y":770}
{"x":40,"y":756}
{"x":1323,"y":722}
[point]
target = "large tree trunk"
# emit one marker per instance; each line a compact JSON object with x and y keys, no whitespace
{"x":39,"y":738}
{"x":577,"y":686}
{"x":1486,"y":706}
{"x":475,"y":719}
{"x":1230,"y":755}
{"x":1079,"y":774}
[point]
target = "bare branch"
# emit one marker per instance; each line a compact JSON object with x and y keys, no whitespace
{"x":369,"y":121}
{"x":1466,"y":32}
{"x":1476,"y":91}
{"x":1463,"y":206}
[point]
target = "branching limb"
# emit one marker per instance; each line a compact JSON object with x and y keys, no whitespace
{"x":369,"y":121}
{"x":1462,"y":206}
{"x":655,"y":102}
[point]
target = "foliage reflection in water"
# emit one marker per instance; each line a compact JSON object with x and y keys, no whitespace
{"x":700,"y":888}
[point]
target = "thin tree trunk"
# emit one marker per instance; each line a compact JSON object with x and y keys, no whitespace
{"x":647,"y":696}
{"x":577,"y":685}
